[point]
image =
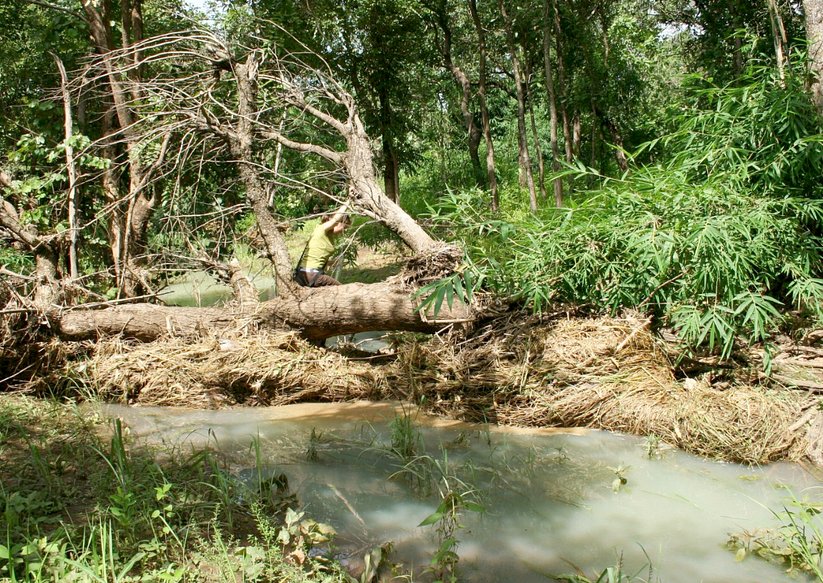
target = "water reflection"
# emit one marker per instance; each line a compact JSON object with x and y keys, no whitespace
{"x":553,"y":500}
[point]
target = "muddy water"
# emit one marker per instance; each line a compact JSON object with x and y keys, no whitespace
{"x":554,"y":501}
{"x":201,"y":289}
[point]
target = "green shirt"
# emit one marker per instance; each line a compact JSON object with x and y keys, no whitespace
{"x":319,"y":249}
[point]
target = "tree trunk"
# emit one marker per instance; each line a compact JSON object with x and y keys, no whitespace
{"x":241,"y":145}
{"x":814,"y":36}
{"x":538,"y":150}
{"x":44,"y":250}
{"x":571,"y":140}
{"x":552,"y":101}
{"x":391,"y":180}
{"x":779,"y":36}
{"x":368,"y":196}
{"x":484,"y":111}
{"x":71,"y":168}
{"x":318,"y":312}
{"x":130,"y":234}
{"x":522,"y":141}
{"x":391,"y":167}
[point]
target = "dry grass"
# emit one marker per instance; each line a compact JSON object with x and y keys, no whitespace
{"x":607,"y":373}
{"x":266,"y":369}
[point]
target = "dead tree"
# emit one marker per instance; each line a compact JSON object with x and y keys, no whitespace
{"x":237,"y":99}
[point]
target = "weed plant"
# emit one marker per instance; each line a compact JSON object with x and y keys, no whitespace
{"x":428,"y":474}
{"x":612,"y":574}
{"x":796,"y":544}
{"x":719,"y":238}
{"x":78,"y":507}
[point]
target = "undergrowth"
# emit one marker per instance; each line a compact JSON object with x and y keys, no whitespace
{"x":796,"y":543}
{"x":79,"y":507}
{"x":720,"y":239}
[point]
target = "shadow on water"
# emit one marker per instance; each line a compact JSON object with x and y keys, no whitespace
{"x":552,"y":499}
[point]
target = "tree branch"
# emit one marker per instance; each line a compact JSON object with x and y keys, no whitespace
{"x":58,"y":8}
{"x":330,"y":155}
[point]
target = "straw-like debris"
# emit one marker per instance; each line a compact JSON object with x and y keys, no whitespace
{"x":605,"y":373}
{"x":266,"y":369}
{"x":608,"y":373}
{"x":429,"y":267}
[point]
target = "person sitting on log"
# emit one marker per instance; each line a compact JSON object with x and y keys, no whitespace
{"x":311,"y":268}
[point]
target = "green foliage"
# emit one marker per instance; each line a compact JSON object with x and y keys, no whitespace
{"x":797,"y":543}
{"x":460,"y":286}
{"x":406,"y":441}
{"x":456,"y":498}
{"x":718,"y":241}
{"x":761,"y":133}
{"x":133,"y":517}
{"x":613,"y":574}
{"x":16,"y":260}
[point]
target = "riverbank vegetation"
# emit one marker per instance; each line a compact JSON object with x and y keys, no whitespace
{"x":81,"y":503}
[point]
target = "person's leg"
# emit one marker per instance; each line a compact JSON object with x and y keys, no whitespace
{"x":300,"y":278}
{"x":321,"y":279}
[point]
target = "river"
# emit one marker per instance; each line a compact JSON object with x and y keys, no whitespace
{"x":554,"y":501}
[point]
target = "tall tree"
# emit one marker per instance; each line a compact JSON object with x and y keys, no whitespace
{"x":814,"y":34}
{"x":484,"y":110}
{"x":441,"y":13}
{"x":133,"y":203}
{"x":526,"y":176}
{"x":383,"y":49}
{"x":551,"y":95}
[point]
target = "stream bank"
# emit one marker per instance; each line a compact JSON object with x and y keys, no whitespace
{"x":563,"y":371}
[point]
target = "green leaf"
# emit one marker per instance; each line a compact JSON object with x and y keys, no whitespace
{"x":432,"y":519}
{"x":474,"y":507}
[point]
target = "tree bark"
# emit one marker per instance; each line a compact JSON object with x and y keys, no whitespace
{"x":484,"y":110}
{"x":391,"y":169}
{"x":318,"y":312}
{"x":814,"y":36}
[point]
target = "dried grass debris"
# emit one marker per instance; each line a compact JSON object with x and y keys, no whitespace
{"x":607,"y":373}
{"x":266,"y":369}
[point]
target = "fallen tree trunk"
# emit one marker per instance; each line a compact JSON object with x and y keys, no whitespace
{"x":317,"y":312}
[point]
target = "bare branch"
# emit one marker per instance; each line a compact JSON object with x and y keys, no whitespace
{"x":330,"y":155}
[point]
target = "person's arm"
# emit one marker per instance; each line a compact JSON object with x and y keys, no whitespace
{"x":336,"y":218}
